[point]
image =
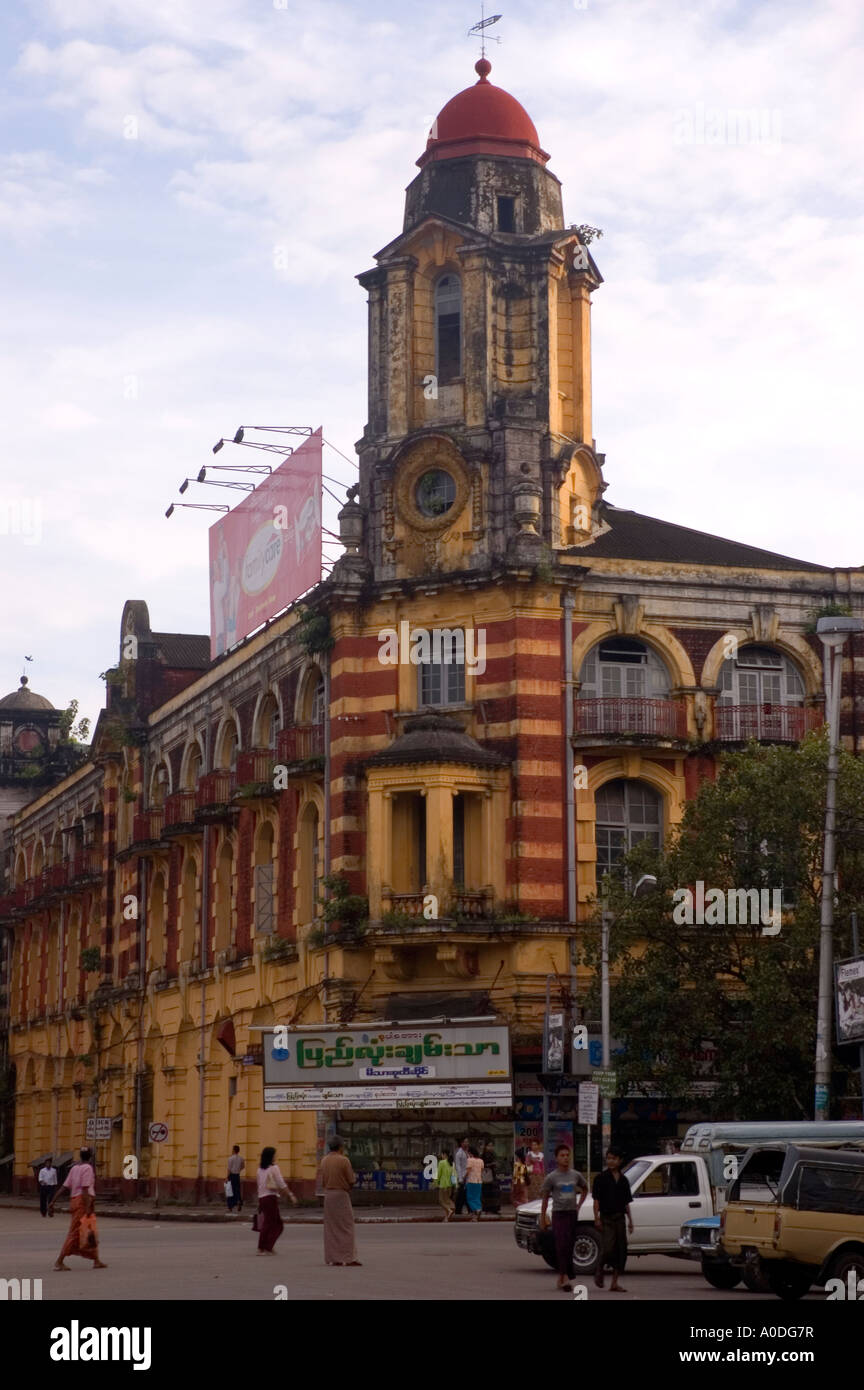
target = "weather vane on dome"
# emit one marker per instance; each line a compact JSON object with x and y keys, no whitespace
{"x":480,"y":28}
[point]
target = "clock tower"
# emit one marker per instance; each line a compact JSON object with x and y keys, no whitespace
{"x":478,"y":453}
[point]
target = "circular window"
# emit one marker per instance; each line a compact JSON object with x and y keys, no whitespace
{"x":28,"y":741}
{"x":435,"y":492}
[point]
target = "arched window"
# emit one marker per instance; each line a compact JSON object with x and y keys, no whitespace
{"x":448,"y":329}
{"x":229,"y":746}
{"x":268,"y":723}
{"x":193,"y":767}
{"x":308,"y":865}
{"x":318,"y":705}
{"x":621,"y":667}
{"x":759,"y":690}
{"x":760,"y":676}
{"x":158,"y":786}
{"x":627,"y":811}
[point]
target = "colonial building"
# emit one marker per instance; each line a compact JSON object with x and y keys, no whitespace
{"x":35,"y":753}
{"x":334,"y":822}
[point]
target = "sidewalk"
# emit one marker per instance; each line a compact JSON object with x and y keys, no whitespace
{"x":306,"y":1215}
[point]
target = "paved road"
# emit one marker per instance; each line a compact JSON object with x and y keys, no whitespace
{"x":427,"y":1262}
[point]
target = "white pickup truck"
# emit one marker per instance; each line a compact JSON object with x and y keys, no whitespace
{"x":668,"y":1189}
{"x":671,"y":1191}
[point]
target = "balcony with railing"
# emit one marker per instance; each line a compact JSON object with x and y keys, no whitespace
{"x":214,"y":792}
{"x":471,"y":904}
{"x":84,"y":866}
{"x":147,"y":826}
{"x":630,"y":717}
{"x":179,"y":812}
{"x":766,"y":723}
{"x":463,"y":904}
{"x":403,"y":904}
{"x":301,"y":747}
{"x":13,"y":901}
{"x":54,"y":877}
{"x":255,"y":772}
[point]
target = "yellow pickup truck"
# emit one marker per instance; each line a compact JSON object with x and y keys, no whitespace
{"x":798,"y":1215}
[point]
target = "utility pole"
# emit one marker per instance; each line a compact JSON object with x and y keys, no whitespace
{"x":833,"y":632}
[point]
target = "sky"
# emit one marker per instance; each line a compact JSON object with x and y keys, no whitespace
{"x":188,"y":189}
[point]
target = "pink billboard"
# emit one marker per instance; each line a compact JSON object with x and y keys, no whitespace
{"x":267,"y":551}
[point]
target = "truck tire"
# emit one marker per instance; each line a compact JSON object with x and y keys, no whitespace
{"x":789,"y":1282}
{"x":755,"y":1280}
{"x":844,"y":1262}
{"x":721,"y":1275}
{"x":586,"y":1250}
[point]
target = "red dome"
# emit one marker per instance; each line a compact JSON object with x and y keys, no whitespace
{"x":483,"y":120}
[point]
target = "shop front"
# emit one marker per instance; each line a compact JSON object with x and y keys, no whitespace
{"x":399,"y":1094}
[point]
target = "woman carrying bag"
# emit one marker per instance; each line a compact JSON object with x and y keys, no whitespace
{"x":82,"y":1237}
{"x":268,"y":1222}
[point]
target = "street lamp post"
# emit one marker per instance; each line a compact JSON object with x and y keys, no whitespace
{"x":832,"y":632}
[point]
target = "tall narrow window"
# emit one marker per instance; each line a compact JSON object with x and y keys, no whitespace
{"x":459,"y":840}
{"x":448,"y":329}
{"x":421,"y":842}
{"x":442,"y":680}
{"x":506,"y":214}
{"x":627,"y":812}
{"x":319,"y":703}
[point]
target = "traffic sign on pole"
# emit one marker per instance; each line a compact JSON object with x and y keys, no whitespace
{"x":158,"y":1132}
{"x":589,"y":1096}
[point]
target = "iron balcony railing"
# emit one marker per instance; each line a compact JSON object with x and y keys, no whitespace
{"x":631,"y":715}
{"x":10,"y":902}
{"x":300,"y":742}
{"x":255,"y":766}
{"x":179,"y":808}
{"x":772,"y":723}
{"x":147,"y":825}
{"x":87,"y":863}
{"x":215,"y":789}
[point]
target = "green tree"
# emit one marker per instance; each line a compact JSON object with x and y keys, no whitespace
{"x":752,"y":995}
{"x":70,"y":732}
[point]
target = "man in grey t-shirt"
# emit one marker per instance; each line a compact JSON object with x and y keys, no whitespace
{"x":568,"y":1190}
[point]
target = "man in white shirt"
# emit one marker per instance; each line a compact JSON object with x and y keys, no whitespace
{"x":460,"y":1168}
{"x":47,"y":1181}
{"x":236,"y":1164}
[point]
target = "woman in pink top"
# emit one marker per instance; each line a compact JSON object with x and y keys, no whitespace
{"x":81,"y":1186}
{"x":473,"y":1181}
{"x":270,"y":1183}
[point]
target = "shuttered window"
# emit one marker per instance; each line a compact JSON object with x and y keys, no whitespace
{"x":264,"y":899}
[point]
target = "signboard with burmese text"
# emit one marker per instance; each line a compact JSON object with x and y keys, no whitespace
{"x":414,"y":1065}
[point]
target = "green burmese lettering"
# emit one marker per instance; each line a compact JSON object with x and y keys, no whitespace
{"x":432,"y":1048}
{"x":338,"y":1056}
{"x":313,"y":1049}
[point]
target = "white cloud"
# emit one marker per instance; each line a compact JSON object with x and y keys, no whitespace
{"x":725,"y":366}
{"x":65,"y":415}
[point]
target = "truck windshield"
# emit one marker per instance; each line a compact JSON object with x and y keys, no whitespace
{"x":758,"y":1179}
{"x":634,"y":1171}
